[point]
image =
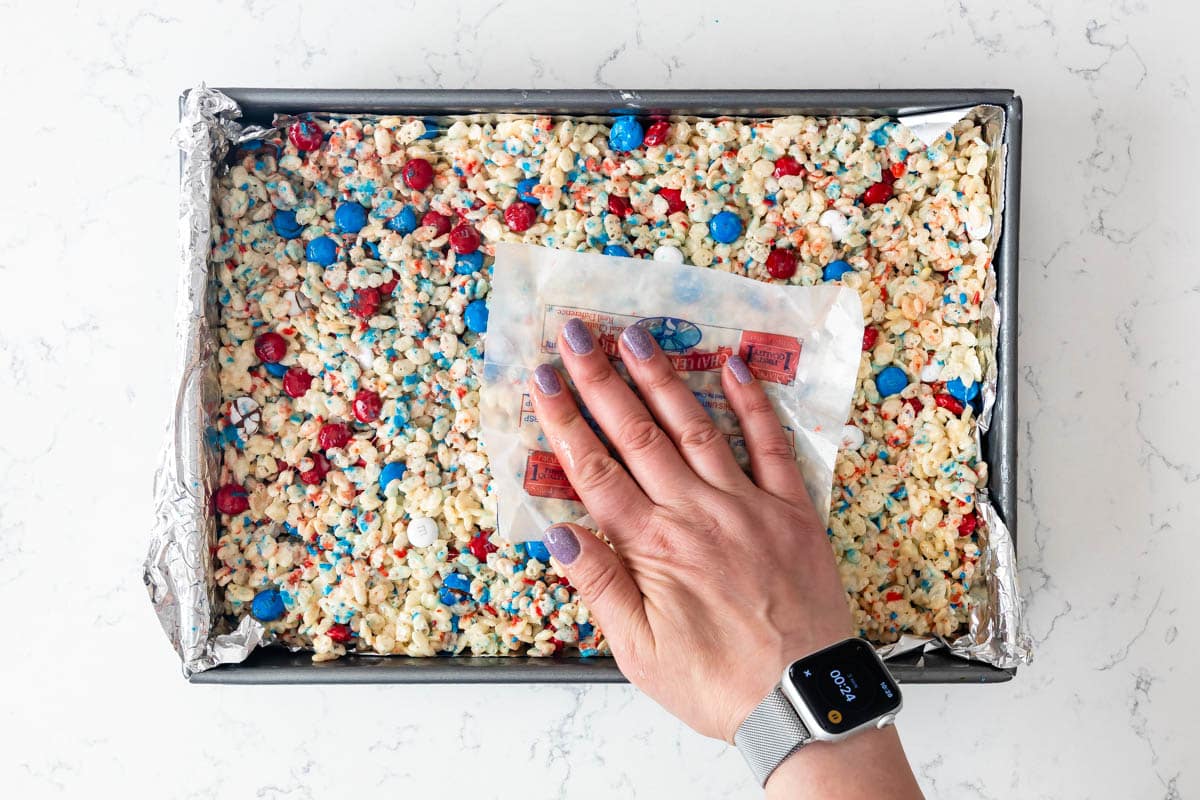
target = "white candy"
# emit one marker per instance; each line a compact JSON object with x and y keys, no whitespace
{"x":298,"y":302}
{"x":980,"y":232}
{"x":852,"y":438}
{"x":422,"y":532}
{"x":931,"y":372}
{"x":669,"y":254}
{"x":837,"y":223}
{"x":245,"y":416}
{"x":363,"y":355}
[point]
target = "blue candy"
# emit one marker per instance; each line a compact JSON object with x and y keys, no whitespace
{"x":373,"y":249}
{"x":538,"y":550}
{"x":476,"y":316}
{"x":267,"y":605}
{"x":471,"y":262}
{"x":391,"y":472}
{"x":403,"y":223}
{"x":286,"y":225}
{"x":962,"y":392}
{"x":278,"y":370}
{"x":322,"y":250}
{"x":890,"y":381}
{"x":457,"y":582}
{"x":616,"y":250}
{"x":448,"y":597}
{"x":834,"y":270}
{"x":626,"y":134}
{"x":431,"y":129}
{"x":350,"y":217}
{"x":725,"y":227}
{"x":524,"y":188}
{"x":585,"y":630}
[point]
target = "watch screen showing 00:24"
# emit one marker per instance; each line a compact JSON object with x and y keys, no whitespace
{"x":844,"y":686}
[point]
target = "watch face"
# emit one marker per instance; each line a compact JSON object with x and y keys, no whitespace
{"x":845,"y":686}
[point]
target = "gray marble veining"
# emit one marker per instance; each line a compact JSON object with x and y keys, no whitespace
{"x":1110,"y":467}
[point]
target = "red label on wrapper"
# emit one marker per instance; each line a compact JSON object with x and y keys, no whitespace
{"x":770,"y":356}
{"x":544,"y":477}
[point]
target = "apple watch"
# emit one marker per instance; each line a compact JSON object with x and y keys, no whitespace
{"x":824,"y":697}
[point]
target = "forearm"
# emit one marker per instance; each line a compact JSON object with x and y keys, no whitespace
{"x":866,"y":765}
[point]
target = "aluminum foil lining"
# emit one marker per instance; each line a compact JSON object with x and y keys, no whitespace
{"x":179,"y":567}
{"x":179,"y":570}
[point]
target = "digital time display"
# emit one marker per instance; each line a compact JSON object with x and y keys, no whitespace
{"x":845,"y":686}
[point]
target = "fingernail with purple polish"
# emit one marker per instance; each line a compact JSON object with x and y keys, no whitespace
{"x":562,"y":543}
{"x":739,"y":369}
{"x":547,"y":380}
{"x":638,"y":341}
{"x":578,"y":337}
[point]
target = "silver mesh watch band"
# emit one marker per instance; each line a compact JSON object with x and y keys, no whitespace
{"x":771,"y":733}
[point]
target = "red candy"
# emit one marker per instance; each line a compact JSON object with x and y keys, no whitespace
{"x":318,"y":472}
{"x":877,"y":193}
{"x":480,"y":546}
{"x":870,"y":336}
{"x":518,"y":216}
{"x":333,"y":435}
{"x":231,"y":499}
{"x":418,"y":174}
{"x":296,"y":382}
{"x":916,"y":405}
{"x":464,"y":239}
{"x":270,"y":348}
{"x":657,"y":134}
{"x":439,"y":222}
{"x":786,"y":165}
{"x":340,"y":633}
{"x":898,"y":169}
{"x":781,"y":264}
{"x":386,"y":289}
{"x":619,"y":205}
{"x":674,"y":200}
{"x":968,"y":525}
{"x":949,"y":403}
{"x":892,"y":597}
{"x":367,"y":405}
{"x":305,"y":135}
{"x":365,"y":303}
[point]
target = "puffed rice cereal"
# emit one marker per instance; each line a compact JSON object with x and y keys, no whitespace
{"x":352,"y":258}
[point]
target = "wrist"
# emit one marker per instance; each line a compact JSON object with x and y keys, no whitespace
{"x":866,"y":763}
{"x":766,"y":668}
{"x":834,"y":695}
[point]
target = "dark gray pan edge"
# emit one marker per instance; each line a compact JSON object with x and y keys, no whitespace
{"x":275,"y":665}
{"x":259,"y":104}
{"x":278,"y":666}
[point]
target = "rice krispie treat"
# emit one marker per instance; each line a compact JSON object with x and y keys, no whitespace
{"x":352,"y":258}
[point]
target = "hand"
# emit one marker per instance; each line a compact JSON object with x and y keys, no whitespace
{"x":721,"y":581}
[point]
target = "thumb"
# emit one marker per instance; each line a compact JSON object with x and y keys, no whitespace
{"x":609,"y":590}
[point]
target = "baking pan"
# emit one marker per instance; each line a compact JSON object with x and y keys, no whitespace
{"x":276,"y":665}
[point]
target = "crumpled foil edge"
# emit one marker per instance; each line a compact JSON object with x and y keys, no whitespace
{"x":178,"y":571}
{"x":996,"y":632}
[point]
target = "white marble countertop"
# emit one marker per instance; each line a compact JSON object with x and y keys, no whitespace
{"x":1109,"y":463}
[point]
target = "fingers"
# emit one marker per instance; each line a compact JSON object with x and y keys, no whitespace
{"x":610,"y":592}
{"x":643,"y":446}
{"x":608,"y":491}
{"x":677,"y":410}
{"x":772,"y":460}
